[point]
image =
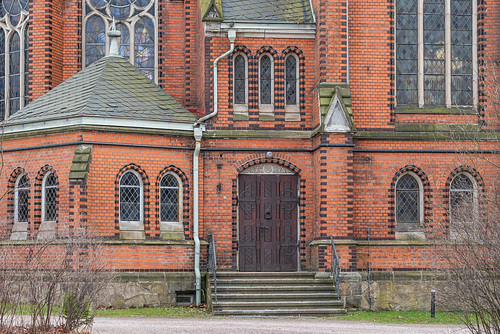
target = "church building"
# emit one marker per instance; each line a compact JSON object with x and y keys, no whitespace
{"x":271,"y":130}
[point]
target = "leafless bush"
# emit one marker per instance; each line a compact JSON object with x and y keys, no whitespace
{"x":54,"y":283}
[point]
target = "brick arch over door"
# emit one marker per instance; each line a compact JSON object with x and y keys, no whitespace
{"x":146,"y":198}
{"x":185,"y":198}
{"x":427,"y":196}
{"x":11,"y":205}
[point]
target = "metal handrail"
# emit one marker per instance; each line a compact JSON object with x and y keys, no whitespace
{"x":335,"y":268}
{"x":212,"y":261}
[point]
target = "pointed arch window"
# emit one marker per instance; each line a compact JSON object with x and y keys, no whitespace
{"x":14,"y":56}
{"x":240,"y":83}
{"x":292,"y":101}
{"x":463,"y":198}
{"x":138,"y":26}
{"x":266,"y":84}
{"x":49,"y":197}
{"x":170,"y":198}
{"x":21,"y":199}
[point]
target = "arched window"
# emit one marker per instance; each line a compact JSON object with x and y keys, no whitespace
{"x":21,"y":196}
{"x":170,"y":199}
{"x":14,"y":56}
{"x":408,"y":199}
{"x":240,"y":83}
{"x":266,"y":84}
{"x":138,"y":26}
{"x":131,"y":198}
{"x":49,"y":197}
{"x":292,"y":102}
{"x":462,"y":198}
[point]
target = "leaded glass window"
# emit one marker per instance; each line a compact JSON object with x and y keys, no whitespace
{"x":130,"y":197}
{"x":291,"y":79}
{"x":407,"y":200}
{"x":14,"y":56}
{"x":265,"y":79}
{"x":49,"y":190}
{"x":435,"y":57}
{"x":169,"y":199}
{"x":137,"y":22}
{"x":461,"y":199}
{"x":240,"y":80}
{"x":22,"y":199}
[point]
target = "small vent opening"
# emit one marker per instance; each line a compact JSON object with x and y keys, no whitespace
{"x":184,"y":298}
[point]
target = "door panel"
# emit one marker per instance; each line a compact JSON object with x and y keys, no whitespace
{"x":268,"y":222}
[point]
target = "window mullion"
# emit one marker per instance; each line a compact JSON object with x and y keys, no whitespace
{"x":474,"y":56}
{"x":421,"y":53}
{"x":447,"y":34}
{"x":7,"y":75}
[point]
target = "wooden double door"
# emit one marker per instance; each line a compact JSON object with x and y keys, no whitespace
{"x":268,"y":207}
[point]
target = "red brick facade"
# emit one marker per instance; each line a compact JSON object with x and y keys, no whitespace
{"x":346,"y":180}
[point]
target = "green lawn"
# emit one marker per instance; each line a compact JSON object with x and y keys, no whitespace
{"x":403,"y":317}
{"x":399,"y":317}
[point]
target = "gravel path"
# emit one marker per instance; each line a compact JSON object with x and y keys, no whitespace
{"x":260,"y":325}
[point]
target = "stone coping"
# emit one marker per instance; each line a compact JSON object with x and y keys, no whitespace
{"x":377,"y":243}
{"x":183,"y":243}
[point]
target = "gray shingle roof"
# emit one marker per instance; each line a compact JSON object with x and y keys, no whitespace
{"x":282,"y":11}
{"x":110,"y":87}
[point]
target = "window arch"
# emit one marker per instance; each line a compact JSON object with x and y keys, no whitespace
{"x":266,"y":83}
{"x":131,"y":197}
{"x":292,"y":86}
{"x":138,"y":26}
{"x":21,"y":199}
{"x":14,"y":56}
{"x":409,"y":204}
{"x":49,"y":197}
{"x":463,"y":198}
{"x":240,"y":82}
{"x":170,"y":198}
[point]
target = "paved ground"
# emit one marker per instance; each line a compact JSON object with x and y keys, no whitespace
{"x":260,"y":325}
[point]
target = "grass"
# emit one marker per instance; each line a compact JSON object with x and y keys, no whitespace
{"x":156,"y":312}
{"x":397,"y":317}
{"x":403,"y":317}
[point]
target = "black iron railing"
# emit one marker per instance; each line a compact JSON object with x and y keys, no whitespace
{"x":212,"y":262}
{"x":335,"y":268}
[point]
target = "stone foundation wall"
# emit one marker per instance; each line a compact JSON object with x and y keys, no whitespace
{"x":147,"y":289}
{"x":393,"y":290}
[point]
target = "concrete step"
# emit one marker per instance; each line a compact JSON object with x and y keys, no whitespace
{"x":227,"y":288}
{"x":282,"y":305}
{"x":274,"y":281}
{"x":290,"y":312}
{"x":275,"y":296}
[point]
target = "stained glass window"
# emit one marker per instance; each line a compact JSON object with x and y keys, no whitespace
{"x":138,"y":27}
{"x":265,"y":79}
{"x":50,"y":198}
{"x":130,"y":197}
{"x":407,"y":52}
{"x":434,"y":55}
{"x":240,"y":81}
{"x":407,"y":200}
{"x":291,"y":80}
{"x":144,"y":46}
{"x":14,"y":73}
{"x":95,"y":39}
{"x":169,"y":199}
{"x":461,"y":52}
{"x":461,"y":199}
{"x":21,"y":198}
{"x":14,"y":56}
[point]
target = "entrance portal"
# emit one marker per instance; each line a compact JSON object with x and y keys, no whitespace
{"x":268,"y":222}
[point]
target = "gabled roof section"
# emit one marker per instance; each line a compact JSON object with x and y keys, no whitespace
{"x":109,"y":88}
{"x":211,"y":10}
{"x":275,"y":11}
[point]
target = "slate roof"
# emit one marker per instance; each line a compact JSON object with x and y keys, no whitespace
{"x":110,"y":87}
{"x":280,"y":11}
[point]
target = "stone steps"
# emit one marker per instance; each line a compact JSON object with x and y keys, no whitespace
{"x":275,"y":294}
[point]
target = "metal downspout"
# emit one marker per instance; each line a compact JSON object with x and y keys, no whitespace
{"x":231,"y":34}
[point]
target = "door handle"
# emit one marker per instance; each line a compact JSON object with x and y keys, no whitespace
{"x":264,"y":227}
